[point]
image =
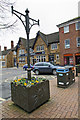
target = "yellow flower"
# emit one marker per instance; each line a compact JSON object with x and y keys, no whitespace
{"x":25,"y":84}
{"x":15,"y":81}
{"x":19,"y":79}
{"x":32,"y":80}
{"x":37,"y":81}
{"x":32,"y":83}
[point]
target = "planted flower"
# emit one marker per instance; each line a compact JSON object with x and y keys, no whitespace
{"x":26,"y":82}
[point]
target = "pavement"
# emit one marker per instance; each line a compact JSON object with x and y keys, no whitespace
{"x":63,"y":103}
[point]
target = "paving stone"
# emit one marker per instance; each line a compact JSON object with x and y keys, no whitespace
{"x":62,"y":104}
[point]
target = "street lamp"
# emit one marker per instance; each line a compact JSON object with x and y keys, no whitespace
{"x":27,"y":26}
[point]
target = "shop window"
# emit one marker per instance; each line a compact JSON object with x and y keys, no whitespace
{"x":67,"y":43}
{"x":38,"y":58}
{"x":22,"y":60}
{"x":78,"y":26}
{"x":78,"y":42}
{"x":54,"y":46}
{"x":66,"y":29}
{"x":71,"y":60}
{"x":43,"y":58}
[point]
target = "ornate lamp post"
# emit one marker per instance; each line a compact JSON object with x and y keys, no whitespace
{"x":27,"y":26}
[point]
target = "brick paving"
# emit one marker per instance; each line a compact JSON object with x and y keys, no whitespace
{"x":63,"y":103}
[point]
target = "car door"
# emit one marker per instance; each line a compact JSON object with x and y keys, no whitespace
{"x":47,"y":68}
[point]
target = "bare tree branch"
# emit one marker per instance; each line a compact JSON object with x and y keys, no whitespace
{"x":5,"y":15}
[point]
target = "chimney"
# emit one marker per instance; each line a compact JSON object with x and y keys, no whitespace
{"x":5,"y":48}
{"x":12,"y":44}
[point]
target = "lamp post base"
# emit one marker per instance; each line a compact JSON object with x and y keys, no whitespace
{"x":29,"y":73}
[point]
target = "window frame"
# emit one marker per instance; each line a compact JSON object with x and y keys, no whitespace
{"x":42,"y":47}
{"x":76,"y":25}
{"x":38,"y":48}
{"x":66,"y":31}
{"x":52,"y":46}
{"x":67,"y":45}
{"x":77,"y":41}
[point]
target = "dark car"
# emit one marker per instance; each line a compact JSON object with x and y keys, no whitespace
{"x":44,"y":67}
{"x":26,"y":66}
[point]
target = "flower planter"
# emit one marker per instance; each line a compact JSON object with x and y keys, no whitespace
{"x":29,"y":98}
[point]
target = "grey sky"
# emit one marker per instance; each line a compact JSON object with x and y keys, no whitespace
{"x":49,"y":12}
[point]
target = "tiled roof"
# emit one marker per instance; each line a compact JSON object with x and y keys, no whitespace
{"x":53,"y":38}
{"x":5,"y":52}
{"x":48,"y":39}
{"x":24,"y":42}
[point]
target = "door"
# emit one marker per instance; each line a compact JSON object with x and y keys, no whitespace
{"x":47,"y":68}
{"x":77,"y":60}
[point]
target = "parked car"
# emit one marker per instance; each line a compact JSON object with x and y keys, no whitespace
{"x":44,"y":67}
{"x":26,"y":66}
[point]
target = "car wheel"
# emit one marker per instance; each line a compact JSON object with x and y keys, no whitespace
{"x":37,"y":72}
{"x":54,"y":72}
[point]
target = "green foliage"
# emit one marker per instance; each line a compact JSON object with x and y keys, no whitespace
{"x":28,"y":83}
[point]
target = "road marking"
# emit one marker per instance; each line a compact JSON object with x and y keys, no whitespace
{"x":53,"y":76}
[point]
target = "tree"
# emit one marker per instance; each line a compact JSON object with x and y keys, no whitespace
{"x":5,"y":15}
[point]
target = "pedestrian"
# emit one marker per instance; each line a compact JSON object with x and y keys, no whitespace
{"x":17,"y":65}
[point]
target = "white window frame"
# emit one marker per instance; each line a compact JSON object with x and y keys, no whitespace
{"x":78,"y":44}
{"x":77,"y":24}
{"x":53,"y":46}
{"x":66,"y":29}
{"x":68,"y":45}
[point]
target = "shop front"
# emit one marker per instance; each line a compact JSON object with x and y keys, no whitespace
{"x":77,"y":56}
{"x":68,"y":59}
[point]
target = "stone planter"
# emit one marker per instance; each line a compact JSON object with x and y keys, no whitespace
{"x":29,"y":98}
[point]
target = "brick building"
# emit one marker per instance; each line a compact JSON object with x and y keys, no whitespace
{"x":8,"y":56}
{"x":42,"y":48}
{"x":69,"y":37}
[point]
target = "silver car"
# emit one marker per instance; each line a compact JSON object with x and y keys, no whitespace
{"x":44,"y":67}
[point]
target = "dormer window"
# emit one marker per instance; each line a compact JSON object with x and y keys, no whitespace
{"x":66,"y":29}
